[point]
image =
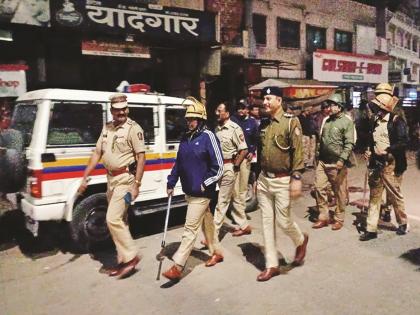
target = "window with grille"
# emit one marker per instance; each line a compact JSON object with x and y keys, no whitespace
{"x":288,"y":33}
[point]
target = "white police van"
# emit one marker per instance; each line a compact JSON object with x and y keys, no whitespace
{"x":56,"y":131}
{"x":59,"y":129}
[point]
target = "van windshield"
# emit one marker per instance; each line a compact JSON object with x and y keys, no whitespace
{"x":23,"y":120}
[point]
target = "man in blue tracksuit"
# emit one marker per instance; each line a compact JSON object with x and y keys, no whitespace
{"x":199,"y":165}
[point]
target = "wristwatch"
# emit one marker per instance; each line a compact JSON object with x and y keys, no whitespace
{"x":297,"y":176}
{"x":137,"y":182}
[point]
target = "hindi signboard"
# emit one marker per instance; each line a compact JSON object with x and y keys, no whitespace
{"x":122,"y":16}
{"x":333,"y":66}
{"x":114,"y":49}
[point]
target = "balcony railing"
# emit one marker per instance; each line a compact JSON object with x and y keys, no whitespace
{"x":401,"y":51}
{"x":403,"y":18}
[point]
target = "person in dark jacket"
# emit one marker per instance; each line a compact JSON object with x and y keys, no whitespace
{"x":199,"y":165}
{"x":387,"y":162}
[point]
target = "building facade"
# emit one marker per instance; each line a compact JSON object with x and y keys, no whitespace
{"x":403,"y":38}
{"x":278,"y":39}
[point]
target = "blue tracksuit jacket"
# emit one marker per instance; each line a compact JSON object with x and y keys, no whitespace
{"x":250,"y":128}
{"x":199,"y":162}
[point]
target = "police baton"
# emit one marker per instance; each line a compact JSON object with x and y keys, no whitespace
{"x":161,"y":255}
{"x":363,"y":210}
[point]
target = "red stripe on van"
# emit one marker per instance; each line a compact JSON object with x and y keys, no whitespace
{"x":65,"y":175}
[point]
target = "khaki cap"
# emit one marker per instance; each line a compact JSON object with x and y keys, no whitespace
{"x":118,"y":100}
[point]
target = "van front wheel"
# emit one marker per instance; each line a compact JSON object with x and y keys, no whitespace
{"x":88,"y":226}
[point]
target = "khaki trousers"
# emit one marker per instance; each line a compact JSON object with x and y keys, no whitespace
{"x":309,"y":144}
{"x":198,"y":208}
{"x":386,"y":179}
{"x":226,"y":187}
{"x":326,"y":174}
{"x":274,"y":202}
{"x":239,"y":194}
{"x":116,"y":216}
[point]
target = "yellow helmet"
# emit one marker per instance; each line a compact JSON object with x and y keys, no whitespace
{"x":386,"y":101}
{"x":195,"y":109}
{"x":384,"y":88}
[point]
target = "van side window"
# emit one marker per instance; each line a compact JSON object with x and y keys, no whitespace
{"x":75,"y":124}
{"x":144,"y":117}
{"x":175,"y":124}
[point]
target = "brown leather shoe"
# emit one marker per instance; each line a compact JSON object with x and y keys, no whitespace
{"x":128,"y":267}
{"x":320,"y":224}
{"x":301,"y":251}
{"x":114,"y":271}
{"x":172,"y":273}
{"x":269,"y":273}
{"x":336,"y":226}
{"x":215,"y":259}
{"x":241,"y":232}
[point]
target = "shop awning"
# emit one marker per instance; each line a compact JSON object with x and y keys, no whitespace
{"x":269,"y":82}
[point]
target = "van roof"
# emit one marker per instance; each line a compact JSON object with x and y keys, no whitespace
{"x":96,"y":96}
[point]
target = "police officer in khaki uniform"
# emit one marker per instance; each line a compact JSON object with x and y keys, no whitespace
{"x":250,"y":129}
{"x":234,"y":150}
{"x":120,"y":145}
{"x":281,"y":161}
{"x":387,"y":162}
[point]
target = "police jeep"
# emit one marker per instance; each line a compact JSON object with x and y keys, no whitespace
{"x":52,"y":135}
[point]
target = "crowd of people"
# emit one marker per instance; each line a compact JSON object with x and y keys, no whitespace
{"x":279,"y":142}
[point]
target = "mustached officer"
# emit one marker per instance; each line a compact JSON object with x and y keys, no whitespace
{"x":120,"y":144}
{"x":280,"y":157}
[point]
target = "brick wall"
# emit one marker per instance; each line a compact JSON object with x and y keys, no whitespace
{"x":329,"y":14}
{"x":231,"y":16}
{"x":191,"y":4}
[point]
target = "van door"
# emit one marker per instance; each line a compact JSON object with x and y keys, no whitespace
{"x":175,"y":127}
{"x":153,"y":182}
{"x":73,"y":130}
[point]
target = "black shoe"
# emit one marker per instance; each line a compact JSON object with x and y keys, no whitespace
{"x":386,"y":217}
{"x":367,"y":236}
{"x":402,"y":229}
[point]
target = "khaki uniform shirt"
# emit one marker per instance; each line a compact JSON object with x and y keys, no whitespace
{"x":281,"y":144}
{"x":380,"y":135}
{"x":119,"y":144}
{"x":232,"y":139}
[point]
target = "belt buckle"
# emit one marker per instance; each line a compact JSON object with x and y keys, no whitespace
{"x":270,"y":174}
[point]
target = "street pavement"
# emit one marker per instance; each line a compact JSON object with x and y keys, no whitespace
{"x":341,"y":275}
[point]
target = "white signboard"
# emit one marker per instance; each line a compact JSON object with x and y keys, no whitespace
{"x":332,"y":66}
{"x":12,"y":83}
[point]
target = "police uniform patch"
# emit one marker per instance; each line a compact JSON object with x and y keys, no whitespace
{"x":241,"y":136}
{"x":140,"y":135}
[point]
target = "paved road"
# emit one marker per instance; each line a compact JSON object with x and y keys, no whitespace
{"x":341,"y":275}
